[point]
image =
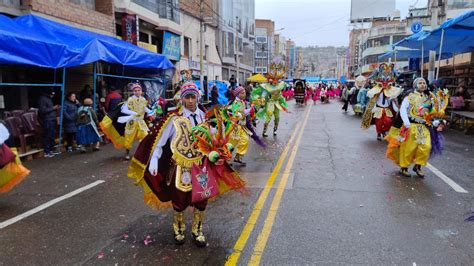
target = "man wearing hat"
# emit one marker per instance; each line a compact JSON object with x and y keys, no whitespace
{"x":164,"y":163}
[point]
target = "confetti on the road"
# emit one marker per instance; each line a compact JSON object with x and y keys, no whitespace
{"x":147,"y":240}
{"x":410,"y":200}
{"x":470,"y":218}
{"x":439,"y":195}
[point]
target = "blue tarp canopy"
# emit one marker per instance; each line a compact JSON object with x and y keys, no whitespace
{"x":222,"y":87}
{"x":411,"y":53}
{"x":312,"y":79}
{"x":66,"y":46}
{"x":458,"y":36}
{"x":329,"y":80}
{"x":17,"y":44}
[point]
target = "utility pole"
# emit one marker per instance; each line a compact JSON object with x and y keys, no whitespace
{"x":237,"y":64}
{"x":201,"y":51}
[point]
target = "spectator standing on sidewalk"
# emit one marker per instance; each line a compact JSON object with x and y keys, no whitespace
{"x":233,"y":82}
{"x":214,"y":94}
{"x":69,"y":121}
{"x":112,"y":100}
{"x":87,"y":132}
{"x":47,"y":113}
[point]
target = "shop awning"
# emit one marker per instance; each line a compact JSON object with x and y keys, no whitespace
{"x":453,"y":36}
{"x":66,"y":46}
{"x":21,"y":46}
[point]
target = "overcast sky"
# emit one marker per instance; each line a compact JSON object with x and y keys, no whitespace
{"x":316,"y":22}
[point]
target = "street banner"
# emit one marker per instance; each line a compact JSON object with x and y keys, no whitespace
{"x":130,"y":28}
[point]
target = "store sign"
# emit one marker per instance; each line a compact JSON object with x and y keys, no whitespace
{"x":172,"y":46}
{"x":150,"y":47}
{"x":130,"y":28}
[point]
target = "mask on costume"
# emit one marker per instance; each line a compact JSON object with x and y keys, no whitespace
{"x":277,"y":71}
{"x":360,"y":81}
{"x":385,"y":75}
{"x":416,"y":81}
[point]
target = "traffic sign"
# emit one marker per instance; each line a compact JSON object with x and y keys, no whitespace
{"x":416,"y":27}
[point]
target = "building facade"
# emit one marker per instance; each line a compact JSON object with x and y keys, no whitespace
{"x":377,"y":41}
{"x":290,"y":57}
{"x":235,"y":38}
{"x":264,"y":44}
{"x":191,"y":50}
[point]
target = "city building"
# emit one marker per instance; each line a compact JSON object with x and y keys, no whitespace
{"x":191,"y":49}
{"x":322,"y":61}
{"x":290,"y":57}
{"x":280,"y":46}
{"x":235,"y":38}
{"x":377,"y":41}
{"x":264,"y":44}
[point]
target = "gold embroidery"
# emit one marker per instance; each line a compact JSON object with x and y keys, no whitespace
{"x":183,"y":179}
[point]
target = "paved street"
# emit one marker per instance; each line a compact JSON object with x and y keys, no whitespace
{"x":335,"y":200}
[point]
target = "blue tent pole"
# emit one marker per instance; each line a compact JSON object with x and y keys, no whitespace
{"x":63,"y":85}
{"x":95,"y":85}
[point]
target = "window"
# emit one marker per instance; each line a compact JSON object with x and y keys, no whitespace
{"x":187,"y":46}
{"x":143,"y":37}
{"x":260,"y":54}
{"x":118,"y":30}
{"x":261,"y":39}
{"x":206,"y":52}
{"x":261,"y":69}
{"x":398,"y":38}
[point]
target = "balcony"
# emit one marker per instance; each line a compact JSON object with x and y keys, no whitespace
{"x":376,"y":50}
{"x":387,"y":30}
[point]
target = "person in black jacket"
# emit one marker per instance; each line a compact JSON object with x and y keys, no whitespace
{"x":47,"y":113}
{"x":69,"y":120}
{"x":214,"y":95}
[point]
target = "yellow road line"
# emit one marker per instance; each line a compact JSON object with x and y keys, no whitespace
{"x":267,"y":226}
{"x":252,"y":220}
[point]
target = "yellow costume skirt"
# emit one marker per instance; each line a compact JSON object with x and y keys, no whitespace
{"x":135,"y":129}
{"x":107,"y":126}
{"x":240,"y":139}
{"x":414,"y":147}
{"x":12,"y":174}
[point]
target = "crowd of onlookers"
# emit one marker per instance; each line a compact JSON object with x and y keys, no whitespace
{"x":80,"y":119}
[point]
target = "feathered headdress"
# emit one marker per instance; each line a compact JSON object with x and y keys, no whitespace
{"x":277,"y":70}
{"x":211,"y":138}
{"x":434,"y":109}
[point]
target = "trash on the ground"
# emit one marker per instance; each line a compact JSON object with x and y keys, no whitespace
{"x":100,"y":255}
{"x":470,"y":218}
{"x":147,"y":240}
